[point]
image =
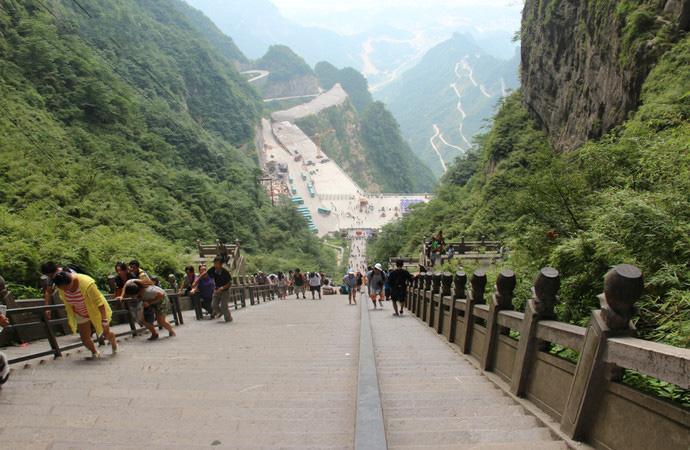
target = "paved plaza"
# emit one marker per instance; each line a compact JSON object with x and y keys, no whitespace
{"x":284,"y":374}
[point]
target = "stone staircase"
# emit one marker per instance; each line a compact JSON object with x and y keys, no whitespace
{"x":432,"y":397}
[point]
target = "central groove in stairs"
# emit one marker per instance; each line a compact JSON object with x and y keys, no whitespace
{"x":370,"y":433}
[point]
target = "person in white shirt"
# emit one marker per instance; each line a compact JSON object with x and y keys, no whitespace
{"x":315,"y":284}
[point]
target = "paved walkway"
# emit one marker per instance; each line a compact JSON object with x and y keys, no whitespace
{"x":432,"y":397}
{"x":282,"y":375}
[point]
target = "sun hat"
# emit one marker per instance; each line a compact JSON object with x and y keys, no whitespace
{"x":378,"y":266}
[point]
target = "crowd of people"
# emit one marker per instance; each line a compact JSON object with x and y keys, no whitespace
{"x":88,"y":312}
{"x":380,"y":285}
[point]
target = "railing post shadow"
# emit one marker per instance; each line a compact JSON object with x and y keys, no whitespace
{"x":476,"y":297}
{"x":540,"y":306}
{"x":623,"y":286}
{"x":502,"y":300}
{"x":459,"y":283}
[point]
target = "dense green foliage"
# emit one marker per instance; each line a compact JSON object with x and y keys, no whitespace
{"x":119,"y":140}
{"x":350,"y":79}
{"x":389,"y":156}
{"x":221,"y":42}
{"x":283,"y":64}
{"x":370,"y":148}
{"x":623,"y":198}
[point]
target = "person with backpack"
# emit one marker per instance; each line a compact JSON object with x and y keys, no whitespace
{"x":398,"y":280}
{"x":298,"y":282}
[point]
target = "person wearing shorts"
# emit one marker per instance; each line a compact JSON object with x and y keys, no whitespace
{"x":375,"y":281}
{"x":155,"y":303}
{"x":86,"y":307}
{"x":350,"y":280}
{"x":298,"y":281}
{"x":398,"y":280}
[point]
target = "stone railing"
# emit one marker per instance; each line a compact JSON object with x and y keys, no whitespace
{"x":586,"y":398}
{"x":207,"y":252}
{"x":466,"y":250}
{"x":30,"y":322}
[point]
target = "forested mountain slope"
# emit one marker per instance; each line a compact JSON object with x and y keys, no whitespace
{"x":622,"y":198}
{"x":119,"y":139}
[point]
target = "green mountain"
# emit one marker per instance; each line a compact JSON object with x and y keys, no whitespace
{"x":369,"y":148}
{"x":126,"y":133}
{"x":350,"y":79}
{"x":222,"y":43}
{"x":289,"y":75}
{"x":619,"y":198}
{"x":449,"y":97}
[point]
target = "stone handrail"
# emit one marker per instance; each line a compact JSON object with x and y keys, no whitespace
{"x":587,"y":398}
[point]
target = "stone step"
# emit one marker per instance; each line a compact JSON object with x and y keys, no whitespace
{"x":396,"y":438}
{"x":443,"y":424}
{"x":464,"y":409}
{"x":529,"y":445}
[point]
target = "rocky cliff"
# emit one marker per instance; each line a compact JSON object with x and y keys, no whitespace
{"x":584,"y":61}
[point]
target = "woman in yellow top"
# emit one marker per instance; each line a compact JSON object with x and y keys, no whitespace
{"x":85,"y":306}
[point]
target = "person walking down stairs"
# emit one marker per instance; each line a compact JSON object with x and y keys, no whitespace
{"x":315,"y":284}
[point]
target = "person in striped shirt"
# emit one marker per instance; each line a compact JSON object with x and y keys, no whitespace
{"x":85,"y":306}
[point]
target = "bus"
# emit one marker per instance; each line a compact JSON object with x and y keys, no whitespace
{"x":324,"y":211}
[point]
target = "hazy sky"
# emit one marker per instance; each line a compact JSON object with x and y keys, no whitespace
{"x":487,"y":14}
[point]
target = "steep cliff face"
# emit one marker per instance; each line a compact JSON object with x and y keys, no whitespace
{"x":584,"y":61}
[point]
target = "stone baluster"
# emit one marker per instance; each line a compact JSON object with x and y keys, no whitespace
{"x":426,"y":296}
{"x":459,"y":283}
{"x":476,"y":297}
{"x":502,"y":300}
{"x":445,"y":299}
{"x":434,"y":298}
{"x":623,"y":286}
{"x":412,"y":295}
{"x":539,"y":307}
{"x":175,"y":301}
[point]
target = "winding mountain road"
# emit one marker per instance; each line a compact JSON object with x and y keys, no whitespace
{"x":259,"y":74}
{"x":437,"y":134}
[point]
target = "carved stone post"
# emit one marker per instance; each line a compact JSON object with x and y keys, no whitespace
{"x":623,"y":286}
{"x":175,"y":301}
{"x":541,"y":306}
{"x":476,"y":297}
{"x":445,"y":299}
{"x":434,"y":298}
{"x":502,"y":300}
{"x":425,"y":285}
{"x":459,"y":283}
